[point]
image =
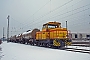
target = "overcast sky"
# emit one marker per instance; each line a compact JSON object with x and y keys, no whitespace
{"x":30,"y":14}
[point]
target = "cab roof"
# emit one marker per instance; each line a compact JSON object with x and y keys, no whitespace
{"x":52,"y":23}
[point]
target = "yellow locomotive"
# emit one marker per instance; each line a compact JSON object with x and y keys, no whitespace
{"x":53,"y":34}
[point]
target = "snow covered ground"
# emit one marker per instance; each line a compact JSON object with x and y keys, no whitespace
{"x":14,"y":51}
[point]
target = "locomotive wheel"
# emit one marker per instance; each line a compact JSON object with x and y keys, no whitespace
{"x":38,"y":44}
{"x":47,"y":45}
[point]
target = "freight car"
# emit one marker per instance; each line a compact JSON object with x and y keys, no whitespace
{"x":25,"y":38}
{"x":52,"y":35}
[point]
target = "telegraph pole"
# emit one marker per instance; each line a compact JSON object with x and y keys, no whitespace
{"x":89,"y":40}
{"x":66,"y":24}
{"x":3,"y":33}
{"x":8,"y":29}
{"x":67,"y":31}
{"x":66,"y":28}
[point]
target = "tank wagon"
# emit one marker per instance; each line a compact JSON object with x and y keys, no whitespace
{"x":51,"y":35}
{"x":25,"y":38}
{"x":13,"y":38}
{"x":29,"y":36}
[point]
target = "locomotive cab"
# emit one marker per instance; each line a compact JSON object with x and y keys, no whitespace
{"x":51,"y":25}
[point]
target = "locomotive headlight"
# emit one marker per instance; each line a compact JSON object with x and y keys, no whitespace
{"x":58,"y":37}
{"x":66,"y":36}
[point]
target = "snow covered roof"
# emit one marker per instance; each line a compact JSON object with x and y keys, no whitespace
{"x":27,"y":32}
{"x":18,"y":35}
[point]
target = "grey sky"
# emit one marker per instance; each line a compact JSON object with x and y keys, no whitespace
{"x":30,"y":14}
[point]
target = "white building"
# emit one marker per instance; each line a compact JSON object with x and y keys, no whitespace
{"x":80,"y":36}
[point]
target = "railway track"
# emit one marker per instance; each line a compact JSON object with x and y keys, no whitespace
{"x":76,"y":50}
{"x":73,"y":49}
{"x":79,"y":43}
{"x":87,"y":45}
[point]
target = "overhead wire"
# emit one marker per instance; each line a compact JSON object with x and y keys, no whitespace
{"x":71,"y":11}
{"x":33,"y":14}
{"x":15,"y":29}
{"x":54,"y":9}
{"x":37,"y":11}
{"x":75,"y":13}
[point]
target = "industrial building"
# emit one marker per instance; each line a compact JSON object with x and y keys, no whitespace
{"x":80,"y":36}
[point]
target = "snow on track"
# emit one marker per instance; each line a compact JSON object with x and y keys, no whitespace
{"x":79,"y":47}
{"x":14,"y":51}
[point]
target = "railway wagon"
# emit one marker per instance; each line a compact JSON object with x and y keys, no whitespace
{"x":13,"y":38}
{"x":29,"y":36}
{"x":53,"y":35}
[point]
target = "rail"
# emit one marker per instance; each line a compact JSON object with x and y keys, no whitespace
{"x":76,"y":50}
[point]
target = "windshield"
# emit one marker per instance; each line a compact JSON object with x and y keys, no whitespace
{"x":50,"y":26}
